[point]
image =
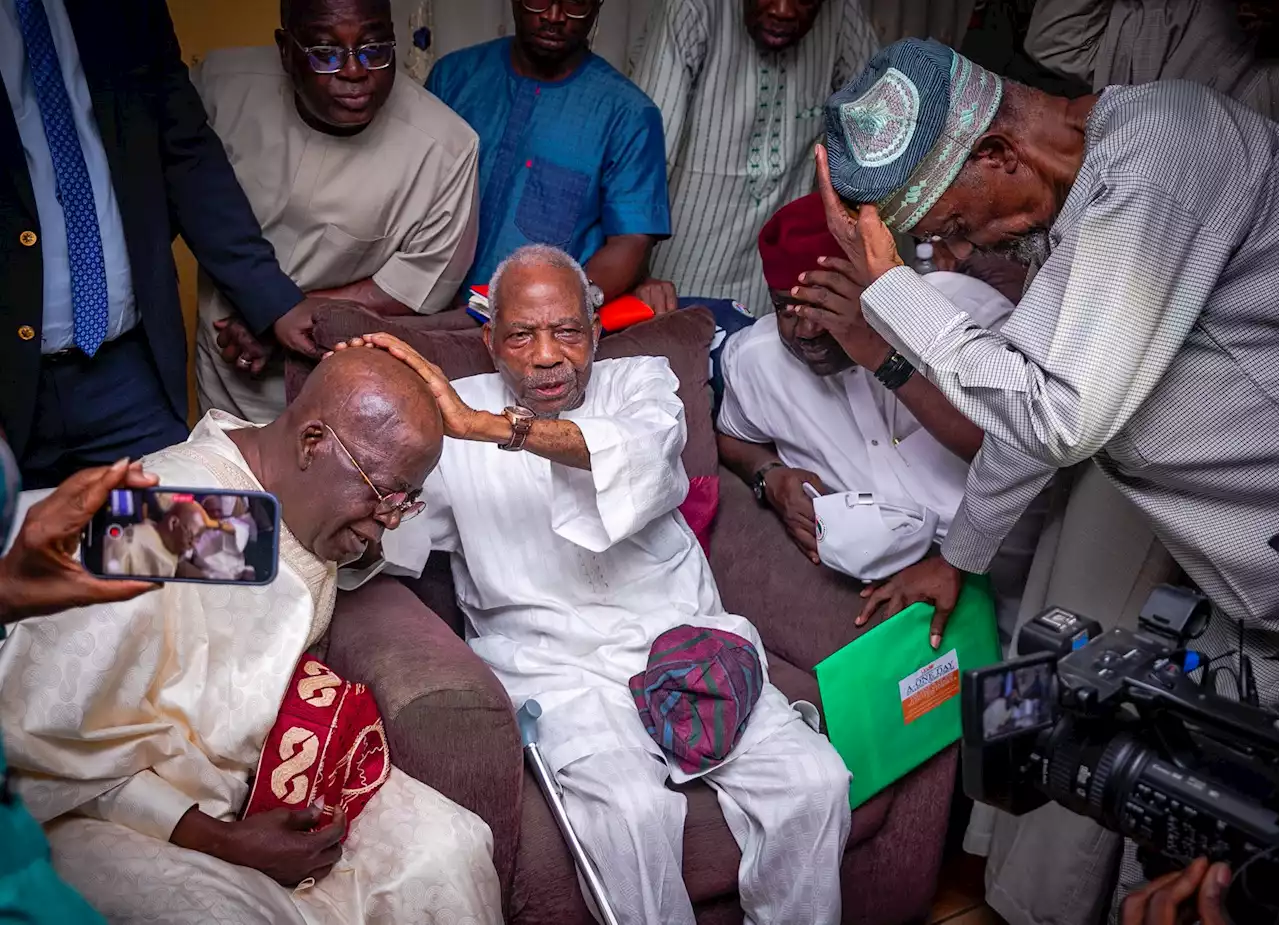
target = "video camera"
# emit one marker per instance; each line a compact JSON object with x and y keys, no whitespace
{"x":1112,"y":726}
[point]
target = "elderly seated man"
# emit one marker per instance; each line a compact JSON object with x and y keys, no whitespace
{"x":827,"y":403}
{"x":557,"y":499}
{"x":134,"y":729}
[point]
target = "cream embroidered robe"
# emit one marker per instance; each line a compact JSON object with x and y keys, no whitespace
{"x":119,"y":718}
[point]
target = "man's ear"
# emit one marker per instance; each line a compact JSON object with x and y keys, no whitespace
{"x":309,"y":439}
{"x":486,"y":334}
{"x":996,"y":151}
{"x":282,"y":45}
{"x":595,"y":331}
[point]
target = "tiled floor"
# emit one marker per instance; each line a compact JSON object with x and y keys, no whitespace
{"x":959,"y":900}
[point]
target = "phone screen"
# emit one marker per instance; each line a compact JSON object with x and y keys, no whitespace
{"x":175,"y":534}
{"x":1017,"y":699}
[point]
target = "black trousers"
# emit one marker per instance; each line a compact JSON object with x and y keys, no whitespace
{"x":91,"y":411}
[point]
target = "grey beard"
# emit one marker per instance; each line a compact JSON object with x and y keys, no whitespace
{"x":1030,"y":249}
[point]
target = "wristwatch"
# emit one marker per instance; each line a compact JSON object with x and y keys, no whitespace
{"x":757,"y":483}
{"x":894,"y":372}
{"x":520,"y":419}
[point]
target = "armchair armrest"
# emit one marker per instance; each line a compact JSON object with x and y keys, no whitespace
{"x":803,"y":612}
{"x":449,"y":722}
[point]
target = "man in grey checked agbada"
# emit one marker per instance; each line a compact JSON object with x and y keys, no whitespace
{"x":1146,"y":340}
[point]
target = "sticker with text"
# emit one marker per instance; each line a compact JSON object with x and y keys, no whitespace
{"x":931,"y":686}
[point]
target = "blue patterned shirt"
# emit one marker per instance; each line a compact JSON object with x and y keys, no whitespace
{"x":568,"y":163}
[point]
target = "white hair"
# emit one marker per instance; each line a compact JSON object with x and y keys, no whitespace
{"x":542,"y":255}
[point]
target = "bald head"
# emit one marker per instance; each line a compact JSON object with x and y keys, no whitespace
{"x":369,"y":396}
{"x":357,"y":443}
{"x":296,"y":13}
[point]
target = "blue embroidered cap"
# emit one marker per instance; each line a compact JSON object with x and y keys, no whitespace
{"x":898,"y":134}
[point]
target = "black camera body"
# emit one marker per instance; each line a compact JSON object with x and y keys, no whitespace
{"x":1110,"y":726}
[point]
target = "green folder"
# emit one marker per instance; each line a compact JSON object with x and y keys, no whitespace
{"x":891,"y":702}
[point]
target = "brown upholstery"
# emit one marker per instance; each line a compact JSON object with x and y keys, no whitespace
{"x":451,"y":725}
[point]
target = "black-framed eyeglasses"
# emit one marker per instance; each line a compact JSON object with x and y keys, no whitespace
{"x":330,"y":59}
{"x":573,"y":9}
{"x":396,"y":506}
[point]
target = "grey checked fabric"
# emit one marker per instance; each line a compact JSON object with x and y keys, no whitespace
{"x":740,"y":127}
{"x":1148,"y":341}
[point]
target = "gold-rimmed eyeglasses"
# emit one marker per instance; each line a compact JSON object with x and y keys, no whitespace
{"x":573,"y":9}
{"x":330,"y":59}
{"x":397,"y":505}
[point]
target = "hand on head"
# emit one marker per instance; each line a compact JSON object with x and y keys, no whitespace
{"x":864,"y":238}
{"x":40,"y":574}
{"x":458,"y":416}
{"x":364,"y":433}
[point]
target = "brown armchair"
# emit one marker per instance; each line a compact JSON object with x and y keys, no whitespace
{"x":450,"y":724}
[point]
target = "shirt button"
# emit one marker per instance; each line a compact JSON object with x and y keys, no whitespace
{"x":28,"y":238}
{"x":875,"y":442}
{"x":27,"y":332}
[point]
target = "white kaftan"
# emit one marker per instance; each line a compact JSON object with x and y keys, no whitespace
{"x":566,"y":578}
{"x":132,"y":713}
{"x":856,"y":435}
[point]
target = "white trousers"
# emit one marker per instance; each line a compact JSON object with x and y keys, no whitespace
{"x":412,"y":857}
{"x":786,"y":800}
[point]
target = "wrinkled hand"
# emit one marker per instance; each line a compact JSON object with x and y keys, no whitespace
{"x":834,"y":302}
{"x":658,"y":294}
{"x":40,"y":574}
{"x":459,"y":417}
{"x":784,"y":490}
{"x":865,"y":240}
{"x":934,"y":581}
{"x":284,"y":844}
{"x":1159,"y":902}
{"x":239,"y":346}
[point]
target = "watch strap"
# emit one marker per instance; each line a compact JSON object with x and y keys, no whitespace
{"x":520,"y":427}
{"x":894,"y":372}
{"x":757,"y":481}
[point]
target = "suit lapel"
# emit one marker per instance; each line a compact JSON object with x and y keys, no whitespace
{"x":13,"y":159}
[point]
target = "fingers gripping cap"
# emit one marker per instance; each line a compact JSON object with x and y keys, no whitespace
{"x":898,"y":134}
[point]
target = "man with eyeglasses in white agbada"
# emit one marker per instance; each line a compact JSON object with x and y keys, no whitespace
{"x":363,"y":182}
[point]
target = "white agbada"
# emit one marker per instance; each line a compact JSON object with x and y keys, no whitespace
{"x":566,"y":578}
{"x":847,"y":429}
{"x":118,"y":718}
{"x":855,"y":435}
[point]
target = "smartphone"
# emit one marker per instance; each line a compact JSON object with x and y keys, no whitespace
{"x":185,"y":534}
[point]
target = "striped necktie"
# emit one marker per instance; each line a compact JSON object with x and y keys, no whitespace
{"x":75,"y":192}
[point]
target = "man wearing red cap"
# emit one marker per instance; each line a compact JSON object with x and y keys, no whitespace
{"x":830,"y":404}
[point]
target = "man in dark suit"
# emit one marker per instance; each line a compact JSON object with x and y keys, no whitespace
{"x":105,"y":157}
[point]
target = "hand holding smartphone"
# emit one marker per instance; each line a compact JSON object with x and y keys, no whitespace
{"x":184,"y":534}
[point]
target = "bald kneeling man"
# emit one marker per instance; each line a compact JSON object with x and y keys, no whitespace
{"x":134,"y":730}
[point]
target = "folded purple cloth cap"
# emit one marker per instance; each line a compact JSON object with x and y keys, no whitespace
{"x":899,"y":133}
{"x":697,"y":693}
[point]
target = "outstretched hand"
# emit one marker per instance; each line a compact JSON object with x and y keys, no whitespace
{"x":934,"y":581}
{"x":40,"y":575}
{"x":459,"y":417}
{"x":865,"y":240}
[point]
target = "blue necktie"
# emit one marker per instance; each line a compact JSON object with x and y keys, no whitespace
{"x":75,"y":192}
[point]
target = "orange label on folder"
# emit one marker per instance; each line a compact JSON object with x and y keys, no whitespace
{"x":930,"y":687}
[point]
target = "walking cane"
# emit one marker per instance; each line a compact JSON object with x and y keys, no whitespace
{"x":527,"y":720}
